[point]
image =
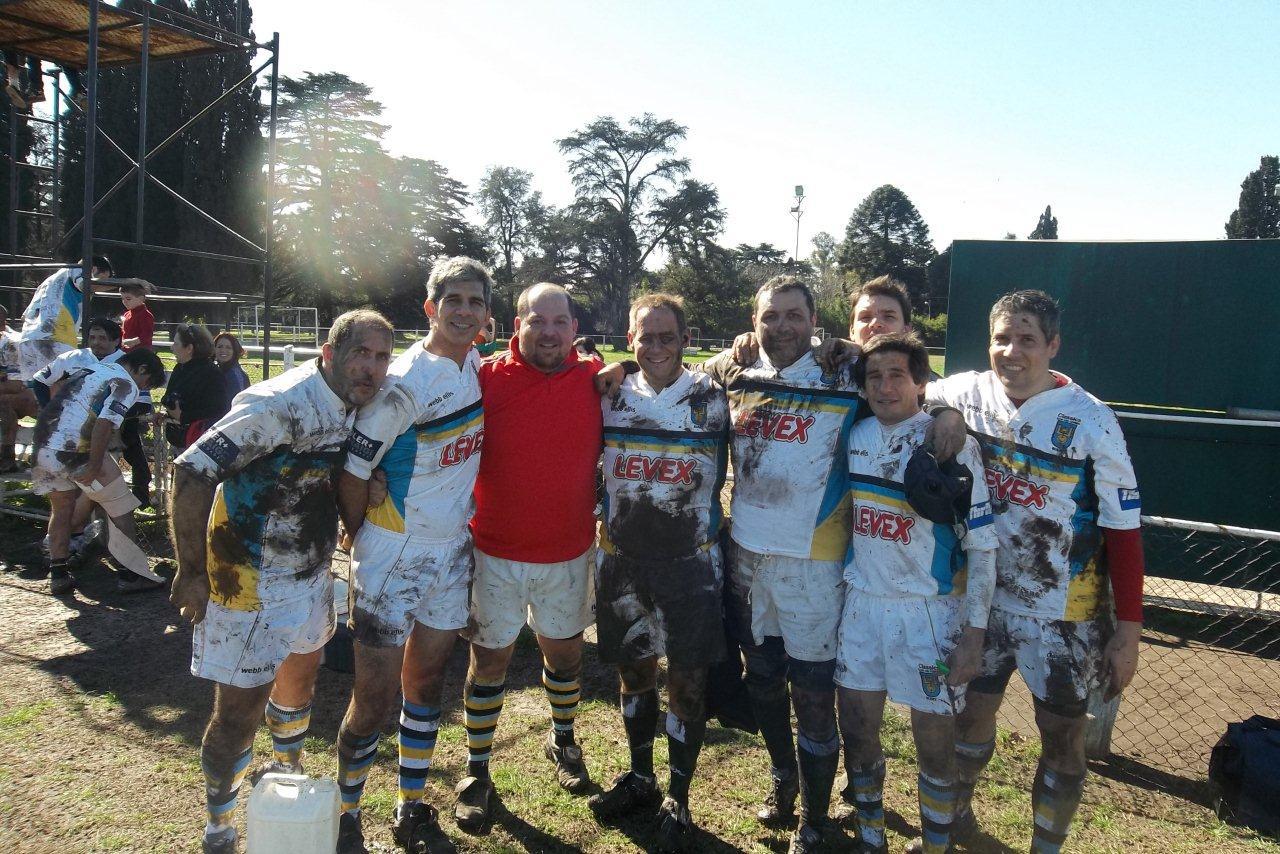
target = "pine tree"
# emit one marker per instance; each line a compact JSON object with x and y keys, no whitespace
{"x":1046,"y":228}
{"x":1258,"y":213}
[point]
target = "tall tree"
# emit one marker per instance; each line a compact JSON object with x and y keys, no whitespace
{"x":632,"y":196}
{"x":887,"y":235}
{"x":1258,"y":212}
{"x":512,"y":211}
{"x":1047,"y":227}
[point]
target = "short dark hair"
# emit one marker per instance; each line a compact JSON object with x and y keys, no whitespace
{"x":198,"y":337}
{"x":670,"y":302}
{"x":101,"y":262}
{"x":782,"y":284}
{"x":237,"y":349}
{"x":455,"y":270}
{"x":141,"y":357}
{"x":1038,"y":304}
{"x":898,"y":342}
{"x":108,"y":326}
{"x":522,"y":301}
{"x":137,"y":287}
{"x":884,"y":286}
{"x":345,"y":325}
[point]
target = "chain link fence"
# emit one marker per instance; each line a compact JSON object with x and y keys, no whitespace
{"x":1210,"y":650}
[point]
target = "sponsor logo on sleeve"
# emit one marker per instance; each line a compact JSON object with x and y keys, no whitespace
{"x":362,"y":446}
{"x":119,"y":408}
{"x":980,"y":514}
{"x":217,"y":447}
{"x":1129,"y":499}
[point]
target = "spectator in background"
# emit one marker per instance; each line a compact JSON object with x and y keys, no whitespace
{"x":138,"y":323}
{"x":195,"y":396}
{"x":227,"y":352}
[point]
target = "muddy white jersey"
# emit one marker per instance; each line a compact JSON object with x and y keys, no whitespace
{"x":790,"y":429}
{"x":665,"y":455}
{"x":71,"y":361}
{"x":894,"y":550}
{"x":104,"y":391}
{"x":1057,"y":471}
{"x":56,"y":309}
{"x":274,"y":456}
{"x":9,"y":361}
{"x":424,"y":428}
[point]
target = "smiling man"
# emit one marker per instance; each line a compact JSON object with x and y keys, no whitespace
{"x":412,"y":556}
{"x":1067,"y":512}
{"x":659,"y":572}
{"x":254,"y":523}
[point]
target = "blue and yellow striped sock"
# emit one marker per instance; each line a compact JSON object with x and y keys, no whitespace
{"x":288,"y":729}
{"x":221,"y":786}
{"x":482,"y":704}
{"x":418,"y":728}
{"x":937,"y":808}
{"x":971,"y":759}
{"x":564,"y":690}
{"x":355,"y":755}
{"x":868,"y":792}
{"x":1054,"y":799}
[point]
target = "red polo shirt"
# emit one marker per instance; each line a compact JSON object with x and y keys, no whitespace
{"x":536,"y":490}
{"x":138,"y":323}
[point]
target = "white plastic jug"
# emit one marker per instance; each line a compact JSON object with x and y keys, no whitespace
{"x":293,"y":814}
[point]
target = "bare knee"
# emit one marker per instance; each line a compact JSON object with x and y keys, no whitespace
{"x":687,"y":692}
{"x":1062,"y":738}
{"x":860,"y":716}
{"x":237,"y":712}
{"x":935,"y":738}
{"x":489,"y":666}
{"x":564,"y":656}
{"x":638,"y":676}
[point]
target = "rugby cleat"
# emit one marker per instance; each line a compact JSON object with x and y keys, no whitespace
{"x":675,"y":828}
{"x":350,"y":834}
{"x":417,"y":830}
{"x":571,"y":769}
{"x":474,"y":803}
{"x":780,"y":805}
{"x":805,"y":840}
{"x":630,"y":792}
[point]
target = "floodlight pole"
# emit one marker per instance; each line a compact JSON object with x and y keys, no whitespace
{"x":90,"y":145}
{"x":271,"y":206}
{"x":796,"y":213}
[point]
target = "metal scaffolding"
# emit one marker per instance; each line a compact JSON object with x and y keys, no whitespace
{"x":87,"y":35}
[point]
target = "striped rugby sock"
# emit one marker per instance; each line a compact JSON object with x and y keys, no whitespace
{"x":288,"y":729}
{"x":418,"y":727}
{"x":1054,"y":799}
{"x":563,"y":692}
{"x":868,"y":792}
{"x":355,"y":756}
{"x":482,"y":704}
{"x":971,"y":759}
{"x":221,"y":786}
{"x":937,"y":808}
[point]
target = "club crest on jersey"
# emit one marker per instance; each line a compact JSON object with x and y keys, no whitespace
{"x":930,"y":681}
{"x":829,"y":378}
{"x":1064,"y":431}
{"x":698,"y":414}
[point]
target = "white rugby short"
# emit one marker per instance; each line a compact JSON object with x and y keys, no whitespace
{"x":793,"y":598}
{"x":1060,"y":660}
{"x":886,"y":645}
{"x":398,"y":579}
{"x":555,"y":599}
{"x":244,"y":648}
{"x":33,"y":356}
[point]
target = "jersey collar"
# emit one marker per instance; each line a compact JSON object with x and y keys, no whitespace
{"x":676,"y":387}
{"x":792,"y":371}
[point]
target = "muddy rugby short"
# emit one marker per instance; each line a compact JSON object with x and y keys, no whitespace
{"x":796,"y":599}
{"x":555,"y":599}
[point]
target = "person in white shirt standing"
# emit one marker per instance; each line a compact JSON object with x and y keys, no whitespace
{"x":918,"y":590}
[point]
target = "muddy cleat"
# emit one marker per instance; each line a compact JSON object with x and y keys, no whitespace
{"x":571,"y":770}
{"x":675,"y":828}
{"x":350,"y":834}
{"x":222,"y":843}
{"x":630,"y":792}
{"x":805,"y":840}
{"x":61,"y":583}
{"x":964,"y":826}
{"x":417,"y":830}
{"x":271,"y":766}
{"x":473,"y":806}
{"x":127,"y":582}
{"x":780,"y":805}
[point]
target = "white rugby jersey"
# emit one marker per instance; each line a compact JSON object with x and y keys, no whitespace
{"x":56,"y":309}
{"x":895,"y":551}
{"x":9,"y":360}
{"x":103,"y":391}
{"x":665,"y":456}
{"x":274,"y":456}
{"x":71,"y":361}
{"x":1057,"y":471}
{"x":789,"y":434}
{"x":424,"y":429}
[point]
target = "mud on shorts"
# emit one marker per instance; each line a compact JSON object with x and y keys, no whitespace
{"x":398,"y":579}
{"x":1060,"y":660}
{"x":886,"y":645}
{"x":553,"y":598}
{"x":244,"y":648}
{"x":33,"y":356}
{"x":796,"y":599}
{"x":668,"y":608}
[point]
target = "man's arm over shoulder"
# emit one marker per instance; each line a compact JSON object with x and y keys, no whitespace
{"x":256,"y":425}
{"x":720,"y":367}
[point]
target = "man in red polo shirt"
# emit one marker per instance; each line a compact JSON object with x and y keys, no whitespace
{"x":534,"y":530}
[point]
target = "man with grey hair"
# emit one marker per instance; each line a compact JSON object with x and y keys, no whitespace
{"x":254,"y":526}
{"x":411,"y":558}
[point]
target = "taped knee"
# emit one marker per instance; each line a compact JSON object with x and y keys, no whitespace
{"x":818,"y":745}
{"x":114,"y":497}
{"x":812,"y":675}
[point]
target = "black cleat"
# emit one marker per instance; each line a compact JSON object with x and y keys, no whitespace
{"x":805,"y":840}
{"x":350,"y":834}
{"x":675,"y":828}
{"x":571,"y":768}
{"x":630,"y":792}
{"x":474,"y":805}
{"x":61,"y":583}
{"x":417,"y":830}
{"x":223,"y":843}
{"x":780,"y":805}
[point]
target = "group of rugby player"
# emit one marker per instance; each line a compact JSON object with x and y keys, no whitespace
{"x":80,"y":397}
{"x":467,"y":494}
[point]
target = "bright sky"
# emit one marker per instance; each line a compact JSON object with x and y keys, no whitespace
{"x":1134,"y":120}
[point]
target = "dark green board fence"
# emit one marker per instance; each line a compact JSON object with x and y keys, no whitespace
{"x":1185,"y":325}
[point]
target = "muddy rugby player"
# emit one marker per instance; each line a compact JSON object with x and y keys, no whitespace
{"x":411,"y":559}
{"x":254,"y":524}
{"x":659,"y":569}
{"x":1067,"y":513}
